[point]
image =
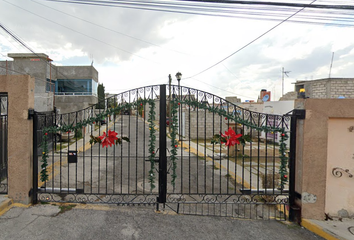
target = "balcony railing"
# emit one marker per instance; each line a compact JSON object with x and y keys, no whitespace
{"x":75,"y":94}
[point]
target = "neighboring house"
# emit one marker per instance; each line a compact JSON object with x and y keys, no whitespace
{"x":67,"y":88}
{"x":326,"y":88}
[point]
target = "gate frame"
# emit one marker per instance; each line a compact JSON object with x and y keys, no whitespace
{"x":4,"y":121}
{"x":162,"y":194}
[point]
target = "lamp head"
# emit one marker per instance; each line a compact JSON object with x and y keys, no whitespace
{"x":178,"y":76}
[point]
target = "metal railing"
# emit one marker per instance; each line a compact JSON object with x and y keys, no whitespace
{"x":75,"y":94}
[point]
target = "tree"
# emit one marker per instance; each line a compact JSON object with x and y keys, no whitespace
{"x":100,"y":93}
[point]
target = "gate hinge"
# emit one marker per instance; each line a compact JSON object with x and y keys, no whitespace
{"x":30,"y":113}
{"x":30,"y":193}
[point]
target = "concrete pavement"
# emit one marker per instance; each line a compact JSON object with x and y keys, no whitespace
{"x":134,"y":222}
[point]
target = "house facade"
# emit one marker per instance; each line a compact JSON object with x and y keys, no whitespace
{"x":66,"y":88}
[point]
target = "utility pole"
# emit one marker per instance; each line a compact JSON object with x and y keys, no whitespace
{"x":282,"y":80}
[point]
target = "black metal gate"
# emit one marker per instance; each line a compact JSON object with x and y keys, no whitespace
{"x":3,"y":142}
{"x":172,"y":159}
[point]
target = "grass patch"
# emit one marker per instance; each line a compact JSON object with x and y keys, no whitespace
{"x":60,"y":146}
{"x":215,"y":167}
{"x":65,"y":208}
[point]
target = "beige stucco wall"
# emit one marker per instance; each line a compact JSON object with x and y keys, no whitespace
{"x":20,"y":89}
{"x":312,"y":160}
{"x":340,"y":157}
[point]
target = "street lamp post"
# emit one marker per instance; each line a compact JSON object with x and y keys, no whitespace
{"x":179,"y":76}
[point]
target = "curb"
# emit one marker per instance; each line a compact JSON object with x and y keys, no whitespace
{"x":5,"y":206}
{"x":317,"y":230}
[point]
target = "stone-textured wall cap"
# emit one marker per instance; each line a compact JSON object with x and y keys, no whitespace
{"x":28,"y":55}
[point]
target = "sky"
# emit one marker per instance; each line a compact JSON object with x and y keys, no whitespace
{"x":134,"y":48}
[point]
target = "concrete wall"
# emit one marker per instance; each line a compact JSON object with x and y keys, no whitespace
{"x":67,"y":103}
{"x":323,"y":142}
{"x":39,"y":67}
{"x":279,"y":108}
{"x":252,"y":106}
{"x":72,"y":72}
{"x":20,"y":89}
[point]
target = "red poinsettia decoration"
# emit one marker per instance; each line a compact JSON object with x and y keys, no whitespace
{"x":230,"y":138}
{"x":108,"y":139}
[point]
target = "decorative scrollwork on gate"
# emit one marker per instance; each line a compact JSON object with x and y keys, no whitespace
{"x":338,"y":172}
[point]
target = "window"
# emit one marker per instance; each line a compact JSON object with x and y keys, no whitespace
{"x":76,"y":87}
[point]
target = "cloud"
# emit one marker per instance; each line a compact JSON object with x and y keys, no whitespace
{"x":164,"y":43}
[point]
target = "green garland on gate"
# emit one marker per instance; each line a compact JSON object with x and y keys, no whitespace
{"x":174,"y":143}
{"x":283,"y":170}
{"x":152,"y":136}
{"x":152,"y":154}
{"x":92,"y":120}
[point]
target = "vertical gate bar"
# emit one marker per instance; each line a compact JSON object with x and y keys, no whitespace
{"x":144,"y":136}
{"x":83,"y":151}
{"x":68,"y":151}
{"x":251,"y":147}
{"x":137,"y":143}
{"x":114,"y":147}
{"x":243,"y":152}
{"x":213,"y":146}
{"x":220,"y":120}
{"x":258,"y":151}
{"x":106,"y":108}
{"x":121,"y":146}
{"x":35,"y":160}
{"x":274,"y":153}
{"x":77,"y":155}
{"x":189,"y":144}
{"x":228,"y":152}
{"x":162,"y":146}
{"x":205,"y":146}
{"x":292,"y":157}
{"x":197,"y":171}
{"x":91,"y":150}
{"x":129,"y":130}
{"x":54,"y":135}
{"x":60,"y":156}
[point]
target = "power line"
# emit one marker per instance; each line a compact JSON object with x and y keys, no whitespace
{"x":86,"y":35}
{"x":222,"y":89}
{"x":260,"y":36}
{"x":227,"y":9}
{"x":103,"y":27}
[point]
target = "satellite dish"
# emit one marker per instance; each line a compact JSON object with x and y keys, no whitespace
{"x":265,"y":98}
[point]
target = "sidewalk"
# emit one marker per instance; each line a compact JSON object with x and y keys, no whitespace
{"x":135,"y":222}
{"x":87,"y":221}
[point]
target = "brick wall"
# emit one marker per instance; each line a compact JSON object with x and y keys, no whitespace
{"x":201,"y":124}
{"x":319,"y":89}
{"x":342,"y":88}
